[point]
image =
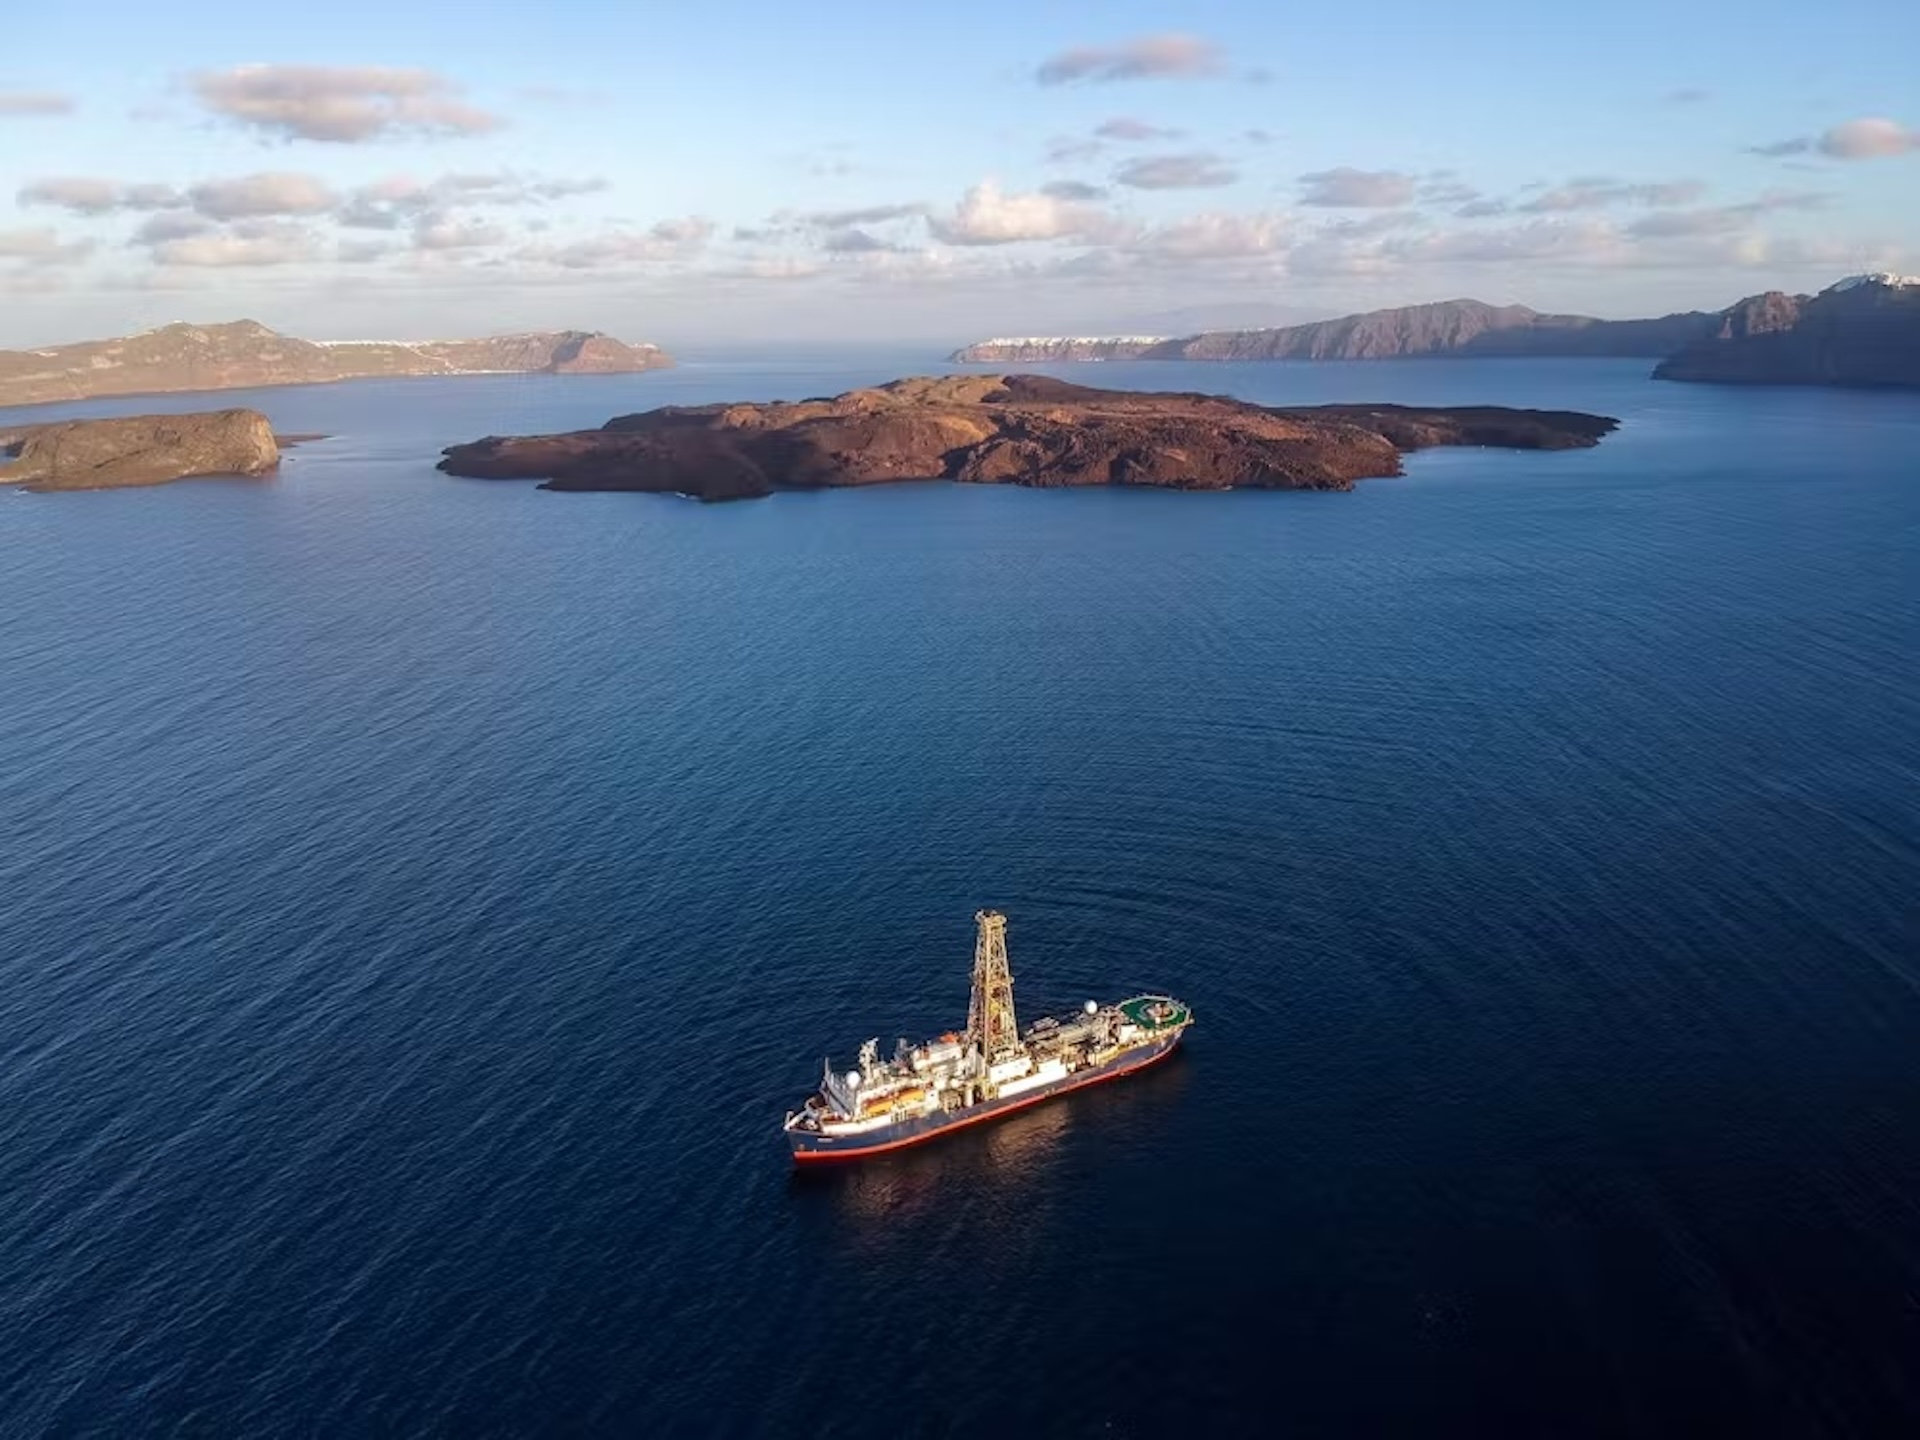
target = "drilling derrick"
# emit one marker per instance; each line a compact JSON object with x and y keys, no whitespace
{"x":990,"y":1021}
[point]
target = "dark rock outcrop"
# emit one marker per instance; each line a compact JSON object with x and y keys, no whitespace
{"x":1464,"y":329}
{"x":997,"y":429}
{"x":1859,"y":333}
{"x":244,"y":354}
{"x":138,"y":450}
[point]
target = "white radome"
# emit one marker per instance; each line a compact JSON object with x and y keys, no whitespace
{"x":1092,"y":1007}
{"x":853,"y":1079}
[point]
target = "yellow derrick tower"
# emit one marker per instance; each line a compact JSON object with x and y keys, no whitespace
{"x":990,"y":1021}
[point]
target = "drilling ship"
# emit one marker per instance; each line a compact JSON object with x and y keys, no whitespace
{"x":992,"y":1069}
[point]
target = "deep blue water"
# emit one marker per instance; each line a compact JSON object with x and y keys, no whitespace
{"x":421,"y":898}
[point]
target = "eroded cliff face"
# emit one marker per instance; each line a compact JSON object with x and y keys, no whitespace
{"x":1852,"y":335}
{"x":135,"y":450}
{"x":1457,"y":328}
{"x":999,"y":429}
{"x":244,"y":355}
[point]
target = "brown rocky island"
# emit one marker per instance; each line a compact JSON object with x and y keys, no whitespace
{"x":131,"y":450}
{"x":1001,"y":429}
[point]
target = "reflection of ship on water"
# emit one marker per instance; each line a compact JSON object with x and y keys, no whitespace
{"x":991,"y":1070}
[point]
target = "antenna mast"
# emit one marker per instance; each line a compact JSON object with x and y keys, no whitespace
{"x":990,"y":1021}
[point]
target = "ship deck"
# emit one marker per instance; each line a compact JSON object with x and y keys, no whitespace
{"x":1155,"y":1012}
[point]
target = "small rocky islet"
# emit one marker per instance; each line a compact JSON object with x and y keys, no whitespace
{"x":1029,"y":430}
{"x":134,"y":450}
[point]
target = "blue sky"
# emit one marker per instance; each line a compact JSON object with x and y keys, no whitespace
{"x":712,"y":174}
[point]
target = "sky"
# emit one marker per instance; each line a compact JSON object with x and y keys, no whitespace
{"x":738,"y":172}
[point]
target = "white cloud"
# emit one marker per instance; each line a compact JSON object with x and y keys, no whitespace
{"x":389,"y":203}
{"x":457,"y":235}
{"x":1214,"y":237}
{"x":340,"y":104}
{"x":865,"y":215}
{"x":1078,"y":190}
{"x":1149,"y":57}
{"x":1599,"y":192}
{"x":1126,"y":128}
{"x":987,"y":215}
{"x":268,"y":193}
{"x":1869,"y":139}
{"x":167,"y":225}
{"x":1176,"y":172}
{"x":42,"y":246}
{"x":259,"y":243}
{"x":669,"y":240}
{"x":34,"y":102}
{"x":89,"y":195}
{"x":1347,"y":188}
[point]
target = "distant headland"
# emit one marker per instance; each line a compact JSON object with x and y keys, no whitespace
{"x":999,"y":429}
{"x":244,"y":355}
{"x":1863,"y":330}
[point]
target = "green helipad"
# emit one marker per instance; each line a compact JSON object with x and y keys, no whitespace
{"x":1155,"y":1012}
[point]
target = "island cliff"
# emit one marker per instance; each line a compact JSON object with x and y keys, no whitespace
{"x":997,"y":429}
{"x":245,"y":355}
{"x":1044,"y":349}
{"x":1464,"y":329}
{"x":137,"y":450}
{"x":1863,"y":331}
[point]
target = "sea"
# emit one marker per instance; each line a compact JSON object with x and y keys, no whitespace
{"x":422,"y":898}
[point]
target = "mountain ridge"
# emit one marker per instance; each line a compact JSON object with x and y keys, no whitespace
{"x":244,"y":354}
{"x":1463,"y":328}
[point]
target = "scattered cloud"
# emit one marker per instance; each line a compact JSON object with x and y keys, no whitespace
{"x":361,"y":252}
{"x":1257,"y":137}
{"x":340,"y":104}
{"x":1726,"y":219}
{"x":1078,"y":190}
{"x":457,"y":235}
{"x":1720,"y":220}
{"x":1126,"y":128}
{"x":1869,"y":139}
{"x":986,"y":215}
{"x":34,"y":102}
{"x":165,"y":225}
{"x":867,"y":215}
{"x":1072,"y":149}
{"x":669,"y":240}
{"x":268,"y":193}
{"x":1441,"y":188}
{"x":1598,"y":192}
{"x":1176,"y":172}
{"x":1348,"y":188}
{"x":250,"y":245}
{"x":1481,"y":209}
{"x":42,"y":246}
{"x":1535,"y":240}
{"x":388,"y":204}
{"x":1214,"y":237}
{"x":855,"y":242}
{"x":1149,"y":57}
{"x":1686,"y":95}
{"x":89,"y":195}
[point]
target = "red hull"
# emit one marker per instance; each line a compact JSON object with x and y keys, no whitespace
{"x":996,"y":1112}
